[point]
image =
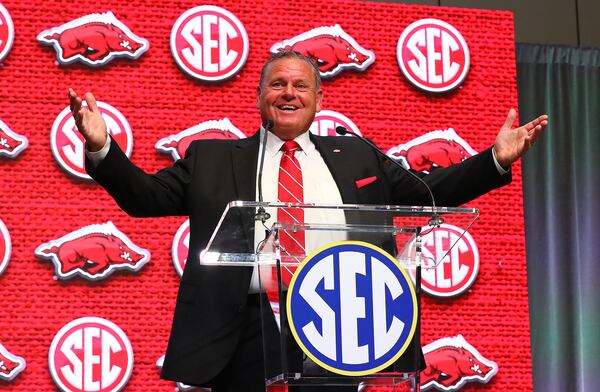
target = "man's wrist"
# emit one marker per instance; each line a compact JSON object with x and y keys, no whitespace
{"x":501,"y":170}
{"x":96,"y":157}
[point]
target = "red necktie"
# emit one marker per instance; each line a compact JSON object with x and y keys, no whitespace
{"x":290,"y":190}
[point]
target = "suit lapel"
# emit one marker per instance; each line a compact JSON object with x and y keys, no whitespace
{"x":337,"y":159}
{"x":244,"y":161}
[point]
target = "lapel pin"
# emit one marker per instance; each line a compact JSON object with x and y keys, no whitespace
{"x":337,"y":150}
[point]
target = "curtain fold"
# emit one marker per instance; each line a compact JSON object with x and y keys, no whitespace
{"x":561,"y":189}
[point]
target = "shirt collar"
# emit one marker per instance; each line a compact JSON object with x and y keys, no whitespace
{"x":274,"y":143}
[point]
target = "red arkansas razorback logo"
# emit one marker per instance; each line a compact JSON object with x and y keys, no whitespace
{"x":94,"y":40}
{"x":11,"y":143}
{"x":433,"y":55}
{"x":431,"y":150}
{"x":181,"y":246}
{"x":7,"y":32}
{"x":452,"y":362}
{"x":10,"y":365}
{"x":5,"y":247}
{"x":331,"y":48}
{"x":90,"y":354}
{"x":326,"y":121}
{"x":457,"y":258}
{"x":93,"y":252}
{"x":209,"y":43}
{"x":68,"y":145}
{"x":177,"y":144}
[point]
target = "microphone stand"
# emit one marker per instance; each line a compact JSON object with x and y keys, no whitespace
{"x":261,"y":214}
{"x":417,"y":338}
{"x":435,"y":221}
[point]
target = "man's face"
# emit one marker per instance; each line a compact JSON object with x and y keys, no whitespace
{"x":288,"y":97}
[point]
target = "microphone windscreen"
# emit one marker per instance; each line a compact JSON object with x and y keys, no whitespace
{"x":268,"y":125}
{"x":340,"y":130}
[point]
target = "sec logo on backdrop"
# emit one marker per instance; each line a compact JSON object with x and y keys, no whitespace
{"x":352,"y":308}
{"x":5,"y":247}
{"x":433,"y":55}
{"x":7,"y":32}
{"x":90,"y":354}
{"x":180,"y":247}
{"x":209,"y":43}
{"x":458,"y":266}
{"x":68,"y":146}
{"x":326,"y":121}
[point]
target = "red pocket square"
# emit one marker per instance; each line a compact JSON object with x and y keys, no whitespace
{"x":365,"y":181}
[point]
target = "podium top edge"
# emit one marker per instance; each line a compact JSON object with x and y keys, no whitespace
{"x":357,"y":207}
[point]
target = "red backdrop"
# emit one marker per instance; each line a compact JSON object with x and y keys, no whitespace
{"x":40,"y":202}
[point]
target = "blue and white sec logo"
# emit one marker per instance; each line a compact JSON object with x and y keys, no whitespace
{"x":352,"y":308}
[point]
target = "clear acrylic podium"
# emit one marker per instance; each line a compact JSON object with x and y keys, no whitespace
{"x":244,"y":237}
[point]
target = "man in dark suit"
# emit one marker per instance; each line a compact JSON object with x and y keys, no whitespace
{"x":216,"y":335}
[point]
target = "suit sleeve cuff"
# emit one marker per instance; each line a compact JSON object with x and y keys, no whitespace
{"x":96,"y":157}
{"x":502,"y":171}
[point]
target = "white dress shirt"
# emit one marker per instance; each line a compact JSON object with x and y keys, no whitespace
{"x":319,"y":188}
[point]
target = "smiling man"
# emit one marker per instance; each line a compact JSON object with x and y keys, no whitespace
{"x":216,"y":336}
{"x":289,"y":94}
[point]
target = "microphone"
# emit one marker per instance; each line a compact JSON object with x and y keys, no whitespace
{"x":261,"y":213}
{"x":435,"y":220}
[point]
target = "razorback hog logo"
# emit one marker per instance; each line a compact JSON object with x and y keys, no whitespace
{"x":93,"y":39}
{"x":10,"y":364}
{"x":434,"y":149}
{"x":93,"y":252}
{"x":331,"y":48}
{"x":452,"y":362}
{"x":177,"y":144}
{"x":11,"y":143}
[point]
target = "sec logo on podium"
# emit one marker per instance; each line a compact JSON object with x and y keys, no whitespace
{"x":352,"y":308}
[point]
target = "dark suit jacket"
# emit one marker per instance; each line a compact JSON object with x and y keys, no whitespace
{"x":207,"y":315}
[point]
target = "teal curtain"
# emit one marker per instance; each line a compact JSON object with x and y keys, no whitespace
{"x":561,"y":188}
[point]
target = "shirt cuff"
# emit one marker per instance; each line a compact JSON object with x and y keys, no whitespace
{"x":96,"y":157}
{"x":502,"y":171}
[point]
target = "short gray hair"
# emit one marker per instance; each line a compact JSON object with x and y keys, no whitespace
{"x":284,"y":54}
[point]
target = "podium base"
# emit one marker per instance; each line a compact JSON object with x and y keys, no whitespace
{"x":378,"y":382}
